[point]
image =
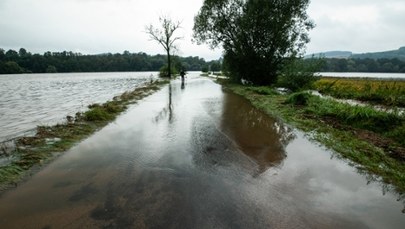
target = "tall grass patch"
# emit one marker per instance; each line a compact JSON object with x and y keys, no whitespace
{"x":365,"y":117}
{"x":390,"y":124}
{"x":384,"y":92}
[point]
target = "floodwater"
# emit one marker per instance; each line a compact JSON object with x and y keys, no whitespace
{"x":29,"y":100}
{"x":196,"y":156}
{"x":370,"y":75}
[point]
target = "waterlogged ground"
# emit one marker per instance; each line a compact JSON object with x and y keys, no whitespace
{"x":29,"y":100}
{"x":371,"y":75}
{"x":195,"y":156}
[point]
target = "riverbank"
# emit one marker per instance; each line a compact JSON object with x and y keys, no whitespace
{"x":25,"y":154}
{"x":371,"y":140}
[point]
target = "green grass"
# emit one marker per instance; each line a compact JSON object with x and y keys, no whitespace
{"x":364,"y":117}
{"x":51,"y":140}
{"x":336,"y":126}
{"x":384,"y":92}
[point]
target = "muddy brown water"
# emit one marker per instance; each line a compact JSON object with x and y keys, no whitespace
{"x":196,"y":156}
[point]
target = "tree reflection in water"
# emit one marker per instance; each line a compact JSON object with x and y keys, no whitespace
{"x":166,"y":111}
{"x":244,"y":136}
{"x":260,"y":137}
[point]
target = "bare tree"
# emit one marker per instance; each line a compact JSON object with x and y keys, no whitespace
{"x":164,"y":35}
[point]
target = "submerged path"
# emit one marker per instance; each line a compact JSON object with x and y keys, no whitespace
{"x":195,"y":156}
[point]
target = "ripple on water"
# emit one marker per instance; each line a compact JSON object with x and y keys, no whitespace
{"x":29,"y":100}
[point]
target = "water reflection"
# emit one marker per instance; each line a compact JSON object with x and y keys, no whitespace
{"x":242,"y":136}
{"x":258,"y":135}
{"x":166,"y":111}
{"x":170,"y":103}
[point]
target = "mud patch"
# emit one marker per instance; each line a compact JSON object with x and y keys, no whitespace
{"x":389,"y":146}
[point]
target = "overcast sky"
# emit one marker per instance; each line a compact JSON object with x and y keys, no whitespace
{"x":100,"y":26}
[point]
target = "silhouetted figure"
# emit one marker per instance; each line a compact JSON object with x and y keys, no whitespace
{"x":182,"y":74}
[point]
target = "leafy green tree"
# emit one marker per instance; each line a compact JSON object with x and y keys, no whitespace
{"x":257,"y":35}
{"x":205,"y":68}
{"x":22,"y":52}
{"x":178,"y":65}
{"x":299,"y":74}
{"x":2,"y":54}
{"x":51,"y":69}
{"x":215,"y":66}
{"x":165,"y":37}
{"x":164,"y":71}
{"x":12,"y":55}
{"x":11,"y":67}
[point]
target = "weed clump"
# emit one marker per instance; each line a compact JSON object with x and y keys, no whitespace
{"x":97,"y":114}
{"x":263,"y":90}
{"x":104,"y":112}
{"x":299,"y":98}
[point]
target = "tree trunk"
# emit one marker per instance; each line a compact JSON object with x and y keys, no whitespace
{"x":169,"y":65}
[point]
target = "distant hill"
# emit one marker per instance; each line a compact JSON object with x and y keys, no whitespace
{"x":399,"y":54}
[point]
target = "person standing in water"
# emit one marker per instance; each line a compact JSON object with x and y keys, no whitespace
{"x":182,"y":74}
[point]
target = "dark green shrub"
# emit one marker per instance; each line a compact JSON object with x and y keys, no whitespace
{"x":299,"y":98}
{"x":299,"y":74}
{"x":164,"y":72}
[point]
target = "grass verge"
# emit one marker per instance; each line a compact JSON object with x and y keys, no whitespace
{"x":31,"y":152}
{"x":371,"y":140}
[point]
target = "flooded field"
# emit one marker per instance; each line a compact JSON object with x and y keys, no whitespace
{"x":29,"y":100}
{"x":371,"y":75}
{"x":196,"y":156}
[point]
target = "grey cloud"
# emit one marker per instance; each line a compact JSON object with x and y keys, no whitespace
{"x":97,"y":26}
{"x":384,"y":30}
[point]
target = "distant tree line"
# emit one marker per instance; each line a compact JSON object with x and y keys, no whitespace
{"x":363,"y":65}
{"x":23,"y":61}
